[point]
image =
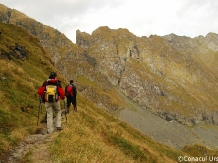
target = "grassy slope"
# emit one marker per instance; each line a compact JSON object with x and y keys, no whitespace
{"x":19,"y":81}
{"x":92,"y":135}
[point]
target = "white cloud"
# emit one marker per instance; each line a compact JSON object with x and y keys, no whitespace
{"x":141,"y":17}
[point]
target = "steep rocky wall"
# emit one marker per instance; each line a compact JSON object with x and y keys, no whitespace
{"x":174,"y":76}
{"x":90,"y":83}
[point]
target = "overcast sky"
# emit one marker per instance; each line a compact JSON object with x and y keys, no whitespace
{"x":141,"y":17}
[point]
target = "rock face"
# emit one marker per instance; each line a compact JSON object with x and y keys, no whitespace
{"x":16,"y":51}
{"x":173,"y":76}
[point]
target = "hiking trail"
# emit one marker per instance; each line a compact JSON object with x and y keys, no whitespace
{"x":35,"y":145}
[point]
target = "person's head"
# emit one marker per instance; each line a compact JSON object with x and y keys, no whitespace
{"x":52,"y":75}
{"x":71,"y":81}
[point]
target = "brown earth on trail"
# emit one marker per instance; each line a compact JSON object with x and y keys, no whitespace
{"x":35,"y":146}
{"x":41,"y":152}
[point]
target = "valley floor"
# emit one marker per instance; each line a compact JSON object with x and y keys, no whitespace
{"x":170,"y":133}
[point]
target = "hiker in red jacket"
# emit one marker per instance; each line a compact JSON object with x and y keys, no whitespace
{"x":70,"y":93}
{"x":51,"y":92}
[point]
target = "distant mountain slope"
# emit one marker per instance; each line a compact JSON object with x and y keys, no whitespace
{"x":174,"y":76}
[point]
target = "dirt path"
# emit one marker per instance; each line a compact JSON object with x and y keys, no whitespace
{"x":36,"y":146}
{"x":41,"y":153}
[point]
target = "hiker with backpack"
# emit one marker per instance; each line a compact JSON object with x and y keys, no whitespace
{"x":51,"y":92}
{"x":70,"y":93}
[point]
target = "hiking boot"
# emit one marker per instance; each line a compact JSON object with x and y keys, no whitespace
{"x":68,"y":110}
{"x":59,"y":128}
{"x":63,"y":113}
{"x":43,"y":121}
{"x":46,"y":132}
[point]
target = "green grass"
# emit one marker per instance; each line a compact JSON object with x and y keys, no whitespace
{"x":128,"y":148}
{"x":19,"y":82}
{"x":92,"y":135}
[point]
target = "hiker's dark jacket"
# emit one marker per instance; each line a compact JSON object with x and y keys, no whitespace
{"x":74,"y":91}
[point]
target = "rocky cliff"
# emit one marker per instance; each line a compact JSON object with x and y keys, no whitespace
{"x":174,"y":76}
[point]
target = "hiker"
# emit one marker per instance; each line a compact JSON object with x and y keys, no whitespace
{"x":51,"y":92}
{"x":70,"y":93}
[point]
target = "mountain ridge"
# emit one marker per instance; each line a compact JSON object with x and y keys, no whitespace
{"x":165,"y":60}
{"x":172,"y":76}
{"x":179,"y":71}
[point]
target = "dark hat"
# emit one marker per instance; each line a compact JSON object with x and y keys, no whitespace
{"x":52,"y":75}
{"x":71,"y":81}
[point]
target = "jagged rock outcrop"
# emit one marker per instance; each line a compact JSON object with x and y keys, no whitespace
{"x":100,"y":92}
{"x":174,"y":76}
{"x":15,"y":51}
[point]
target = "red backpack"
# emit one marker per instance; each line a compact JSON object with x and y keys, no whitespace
{"x":69,"y":90}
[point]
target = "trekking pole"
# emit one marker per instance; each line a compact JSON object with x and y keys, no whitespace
{"x":65,"y":110}
{"x":40,"y":109}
